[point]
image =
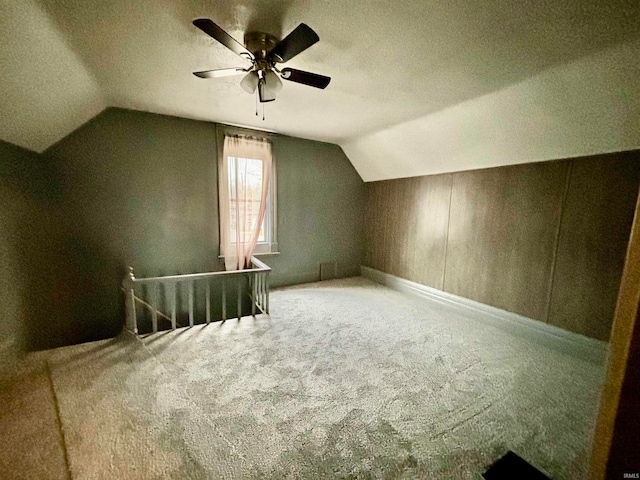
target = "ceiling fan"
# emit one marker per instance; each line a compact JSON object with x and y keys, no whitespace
{"x":264,"y":51}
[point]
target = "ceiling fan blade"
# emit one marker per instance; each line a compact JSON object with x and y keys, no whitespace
{"x":217,"y":33}
{"x":221,"y":72}
{"x":294,"y":43}
{"x":306,"y":78}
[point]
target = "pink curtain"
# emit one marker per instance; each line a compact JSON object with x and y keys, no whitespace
{"x":244,"y":184}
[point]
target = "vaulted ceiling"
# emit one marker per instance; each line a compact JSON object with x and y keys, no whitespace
{"x":418,"y":86}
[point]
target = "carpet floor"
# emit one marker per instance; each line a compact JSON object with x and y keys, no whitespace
{"x":345,"y":379}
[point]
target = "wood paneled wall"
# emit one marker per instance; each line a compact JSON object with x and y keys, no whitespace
{"x":406,"y":227}
{"x":502,"y":234}
{"x":545,"y":240}
{"x":596,"y":222}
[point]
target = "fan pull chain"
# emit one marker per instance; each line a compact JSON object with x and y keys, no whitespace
{"x":263,"y":117}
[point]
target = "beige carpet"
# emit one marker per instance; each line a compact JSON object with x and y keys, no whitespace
{"x":30,"y":442}
{"x":347,"y":379}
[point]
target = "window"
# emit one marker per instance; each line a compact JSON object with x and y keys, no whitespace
{"x":240,"y":174}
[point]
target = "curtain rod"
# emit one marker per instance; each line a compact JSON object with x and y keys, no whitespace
{"x":246,"y":127}
{"x":250,"y":137}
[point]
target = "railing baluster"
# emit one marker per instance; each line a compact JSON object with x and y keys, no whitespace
{"x":208,"y":300}
{"x":258,"y":299}
{"x":224,"y":300}
{"x":174,"y":289}
{"x":252,"y":279}
{"x":266,"y":291}
{"x":154,"y":305}
{"x":191,"y":303}
{"x":261,"y":291}
{"x":239,"y":297}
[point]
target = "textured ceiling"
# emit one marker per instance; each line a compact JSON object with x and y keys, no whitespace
{"x":392,"y":64}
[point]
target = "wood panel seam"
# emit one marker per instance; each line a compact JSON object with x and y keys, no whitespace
{"x":554,"y":257}
{"x":446,"y":243}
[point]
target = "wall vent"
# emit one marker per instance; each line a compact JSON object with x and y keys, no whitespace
{"x":328,"y":270}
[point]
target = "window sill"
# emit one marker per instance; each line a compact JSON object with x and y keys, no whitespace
{"x":263,"y":254}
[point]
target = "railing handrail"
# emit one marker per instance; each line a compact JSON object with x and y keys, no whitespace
{"x":260,"y":264}
{"x":197,"y":276}
{"x":258,"y":282}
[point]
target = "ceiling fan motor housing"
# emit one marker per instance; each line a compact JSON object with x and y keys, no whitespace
{"x":260,"y":44}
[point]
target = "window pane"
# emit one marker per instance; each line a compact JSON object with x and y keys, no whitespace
{"x":245,"y":171}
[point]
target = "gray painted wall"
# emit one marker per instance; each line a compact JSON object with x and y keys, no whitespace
{"x":141,"y":189}
{"x":321,"y":202}
{"x":33,"y":289}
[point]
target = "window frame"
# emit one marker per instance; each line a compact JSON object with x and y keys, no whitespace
{"x":270,"y":247}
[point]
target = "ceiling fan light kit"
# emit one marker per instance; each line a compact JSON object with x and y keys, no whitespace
{"x":250,"y":82}
{"x":264,"y":51}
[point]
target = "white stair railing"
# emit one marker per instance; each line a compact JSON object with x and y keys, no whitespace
{"x":256,"y":278}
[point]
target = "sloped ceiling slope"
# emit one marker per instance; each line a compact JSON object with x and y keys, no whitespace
{"x":397,"y":69}
{"x":46,"y":90}
{"x":588,"y":106}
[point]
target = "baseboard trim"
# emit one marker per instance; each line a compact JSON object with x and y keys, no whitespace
{"x":533,"y":330}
